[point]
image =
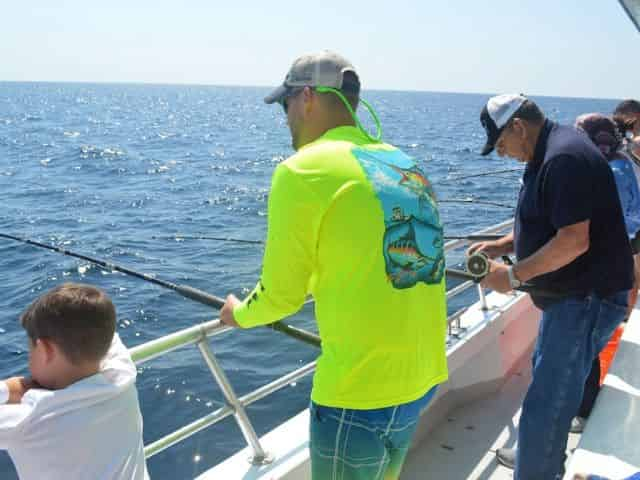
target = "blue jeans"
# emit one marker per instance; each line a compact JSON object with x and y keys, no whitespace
{"x":348,"y":444}
{"x":572,"y":332}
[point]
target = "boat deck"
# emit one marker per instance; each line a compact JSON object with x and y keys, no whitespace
{"x":463,"y":445}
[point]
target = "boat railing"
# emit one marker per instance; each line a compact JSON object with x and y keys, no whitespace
{"x":234,"y":405}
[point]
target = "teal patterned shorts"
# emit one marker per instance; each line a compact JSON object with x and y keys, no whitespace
{"x":350,"y":444}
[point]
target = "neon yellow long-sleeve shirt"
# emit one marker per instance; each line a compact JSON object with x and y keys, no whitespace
{"x":355,"y":224}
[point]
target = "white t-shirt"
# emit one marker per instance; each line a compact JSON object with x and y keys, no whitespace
{"x":90,"y":430}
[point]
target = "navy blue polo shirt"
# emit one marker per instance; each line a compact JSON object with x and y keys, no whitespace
{"x":567,"y":182}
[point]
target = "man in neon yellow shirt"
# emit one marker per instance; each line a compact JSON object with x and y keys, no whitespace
{"x":354,"y":222}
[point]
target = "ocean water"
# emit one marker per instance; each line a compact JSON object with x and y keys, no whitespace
{"x":106,"y":170}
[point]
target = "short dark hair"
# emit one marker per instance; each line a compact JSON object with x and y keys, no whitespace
{"x":80,"y":319}
{"x":627,"y":107}
{"x":530,"y":112}
{"x":602,"y":131}
{"x":624,"y":113}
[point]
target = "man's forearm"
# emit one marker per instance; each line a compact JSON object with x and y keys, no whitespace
{"x":506,"y":243}
{"x":561,"y":250}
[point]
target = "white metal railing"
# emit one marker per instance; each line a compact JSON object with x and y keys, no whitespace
{"x":198,"y":335}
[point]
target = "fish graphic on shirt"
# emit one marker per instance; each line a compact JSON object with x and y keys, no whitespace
{"x":412,"y":178}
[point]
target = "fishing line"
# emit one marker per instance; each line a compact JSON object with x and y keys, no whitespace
{"x":205,"y":237}
{"x":479,"y":202}
{"x":475,"y":237}
{"x":482,"y":174}
{"x":184,"y":290}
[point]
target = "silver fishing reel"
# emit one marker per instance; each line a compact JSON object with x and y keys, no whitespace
{"x":477,"y":264}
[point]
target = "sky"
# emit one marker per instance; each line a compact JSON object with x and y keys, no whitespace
{"x":574,"y":48}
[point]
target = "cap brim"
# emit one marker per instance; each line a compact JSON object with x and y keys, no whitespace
{"x":277,"y":95}
{"x":488,"y":148}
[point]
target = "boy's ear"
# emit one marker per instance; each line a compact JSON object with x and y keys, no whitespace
{"x":49,"y":349}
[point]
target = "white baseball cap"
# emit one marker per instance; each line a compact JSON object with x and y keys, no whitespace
{"x":496,"y":114}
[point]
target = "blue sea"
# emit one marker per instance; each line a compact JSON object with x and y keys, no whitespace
{"x":106,"y":169}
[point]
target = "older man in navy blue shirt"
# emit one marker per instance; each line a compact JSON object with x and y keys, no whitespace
{"x":570,"y":242}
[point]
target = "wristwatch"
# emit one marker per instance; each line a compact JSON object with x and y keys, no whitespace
{"x":513,"y":281}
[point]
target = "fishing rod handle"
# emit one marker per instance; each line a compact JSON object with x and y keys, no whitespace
{"x":297,"y":333}
{"x":217,"y":302}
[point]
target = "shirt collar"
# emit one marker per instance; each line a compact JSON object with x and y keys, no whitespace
{"x":541,"y":145}
{"x":347,"y":133}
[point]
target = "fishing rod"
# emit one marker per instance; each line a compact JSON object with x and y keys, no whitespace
{"x":476,"y":237}
{"x":477,"y":268}
{"x":184,"y":290}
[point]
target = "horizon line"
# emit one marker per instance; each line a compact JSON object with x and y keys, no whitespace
{"x":189,"y":84}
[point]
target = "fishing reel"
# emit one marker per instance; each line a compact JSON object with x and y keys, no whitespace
{"x":477,"y":264}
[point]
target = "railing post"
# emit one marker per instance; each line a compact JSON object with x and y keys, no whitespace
{"x":260,"y":457}
{"x":483,"y":299}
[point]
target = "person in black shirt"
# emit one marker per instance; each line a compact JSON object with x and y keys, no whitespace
{"x":570,"y":243}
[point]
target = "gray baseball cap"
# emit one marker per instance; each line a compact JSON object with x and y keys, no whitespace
{"x":324,"y":69}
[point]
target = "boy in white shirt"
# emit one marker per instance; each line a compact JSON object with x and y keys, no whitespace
{"x":78,"y":417}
